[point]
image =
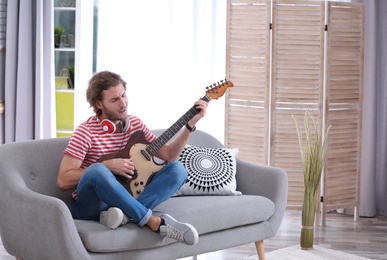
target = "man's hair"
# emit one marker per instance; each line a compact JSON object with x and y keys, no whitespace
{"x":99,"y":82}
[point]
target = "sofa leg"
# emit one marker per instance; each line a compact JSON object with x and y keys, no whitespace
{"x":260,"y":250}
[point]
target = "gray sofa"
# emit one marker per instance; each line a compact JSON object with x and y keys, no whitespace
{"x":36,"y":218}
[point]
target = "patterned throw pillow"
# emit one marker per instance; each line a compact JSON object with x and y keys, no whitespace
{"x":211,"y":171}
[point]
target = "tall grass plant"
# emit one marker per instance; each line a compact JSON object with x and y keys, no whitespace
{"x":313,"y":149}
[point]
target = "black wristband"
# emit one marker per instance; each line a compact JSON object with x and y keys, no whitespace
{"x":191,"y":129}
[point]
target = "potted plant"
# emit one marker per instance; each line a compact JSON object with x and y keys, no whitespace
{"x":313,"y":148}
{"x":58,"y":31}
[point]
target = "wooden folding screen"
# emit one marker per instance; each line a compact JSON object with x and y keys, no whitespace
{"x":280,"y":72}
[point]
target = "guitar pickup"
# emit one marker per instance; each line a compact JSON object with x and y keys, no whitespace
{"x":147,"y":157}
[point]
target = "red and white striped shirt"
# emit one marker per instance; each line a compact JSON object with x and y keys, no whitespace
{"x":90,"y":142}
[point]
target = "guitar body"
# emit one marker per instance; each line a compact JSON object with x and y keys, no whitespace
{"x":146,"y":167}
{"x":144,"y":172}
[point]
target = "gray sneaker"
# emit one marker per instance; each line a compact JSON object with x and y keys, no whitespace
{"x":182,"y":232}
{"x":113,"y":218}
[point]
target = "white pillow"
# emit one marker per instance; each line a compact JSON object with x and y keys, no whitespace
{"x":211,"y":171}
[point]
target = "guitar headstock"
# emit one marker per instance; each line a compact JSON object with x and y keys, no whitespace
{"x":217,"y":90}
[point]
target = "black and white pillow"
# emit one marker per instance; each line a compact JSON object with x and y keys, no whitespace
{"x":211,"y":171}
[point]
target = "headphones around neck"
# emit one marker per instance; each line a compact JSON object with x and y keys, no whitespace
{"x":110,"y":127}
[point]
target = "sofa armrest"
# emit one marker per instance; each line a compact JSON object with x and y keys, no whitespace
{"x":36,"y":226}
{"x":269,"y":182}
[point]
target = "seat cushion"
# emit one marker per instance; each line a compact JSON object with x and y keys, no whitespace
{"x":206,"y":213}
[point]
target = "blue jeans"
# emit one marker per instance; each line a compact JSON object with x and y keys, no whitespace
{"x":99,"y":190}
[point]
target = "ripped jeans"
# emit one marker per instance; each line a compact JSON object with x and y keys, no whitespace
{"x":99,"y":190}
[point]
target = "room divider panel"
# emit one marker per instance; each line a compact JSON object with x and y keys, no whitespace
{"x":344,"y":98}
{"x":285,"y":57}
{"x":248,"y":64}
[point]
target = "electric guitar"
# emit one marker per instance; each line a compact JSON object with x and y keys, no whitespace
{"x":143,"y":153}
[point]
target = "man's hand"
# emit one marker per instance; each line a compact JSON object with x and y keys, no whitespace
{"x":120,"y":166}
{"x":202,"y":105}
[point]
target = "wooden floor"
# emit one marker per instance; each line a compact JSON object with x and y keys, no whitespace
{"x":367,"y":237}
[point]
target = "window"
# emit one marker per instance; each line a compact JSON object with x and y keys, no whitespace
{"x":168,"y":52}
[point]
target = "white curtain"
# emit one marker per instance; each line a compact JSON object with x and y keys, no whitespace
{"x":168,"y":51}
{"x":28,"y":74}
{"x":373,"y":183}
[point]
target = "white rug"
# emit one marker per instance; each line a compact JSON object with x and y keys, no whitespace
{"x":317,"y":253}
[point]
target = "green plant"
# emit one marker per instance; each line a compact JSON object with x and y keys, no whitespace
{"x":59,"y":30}
{"x":313,"y":148}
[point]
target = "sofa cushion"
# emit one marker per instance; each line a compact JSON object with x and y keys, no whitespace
{"x":211,"y":171}
{"x":206,"y":213}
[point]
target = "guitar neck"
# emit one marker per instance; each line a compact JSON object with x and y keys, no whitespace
{"x":171,"y":131}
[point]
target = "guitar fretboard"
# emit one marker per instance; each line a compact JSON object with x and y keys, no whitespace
{"x":153,"y":148}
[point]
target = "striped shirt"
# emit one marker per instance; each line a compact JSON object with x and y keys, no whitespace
{"x":90,"y":142}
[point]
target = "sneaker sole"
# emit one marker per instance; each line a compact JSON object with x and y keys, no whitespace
{"x":112,"y":218}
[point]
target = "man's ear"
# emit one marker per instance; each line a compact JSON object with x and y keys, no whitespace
{"x":98,"y":104}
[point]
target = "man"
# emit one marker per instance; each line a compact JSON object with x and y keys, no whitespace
{"x":97,"y":193}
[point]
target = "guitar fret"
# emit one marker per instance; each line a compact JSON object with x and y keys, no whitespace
{"x":176,"y":128}
{"x":164,"y":140}
{"x":160,"y":143}
{"x":150,"y":150}
{"x":182,"y":122}
{"x":189,"y":116}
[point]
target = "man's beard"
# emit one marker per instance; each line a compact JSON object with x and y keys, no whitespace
{"x":112,"y":116}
